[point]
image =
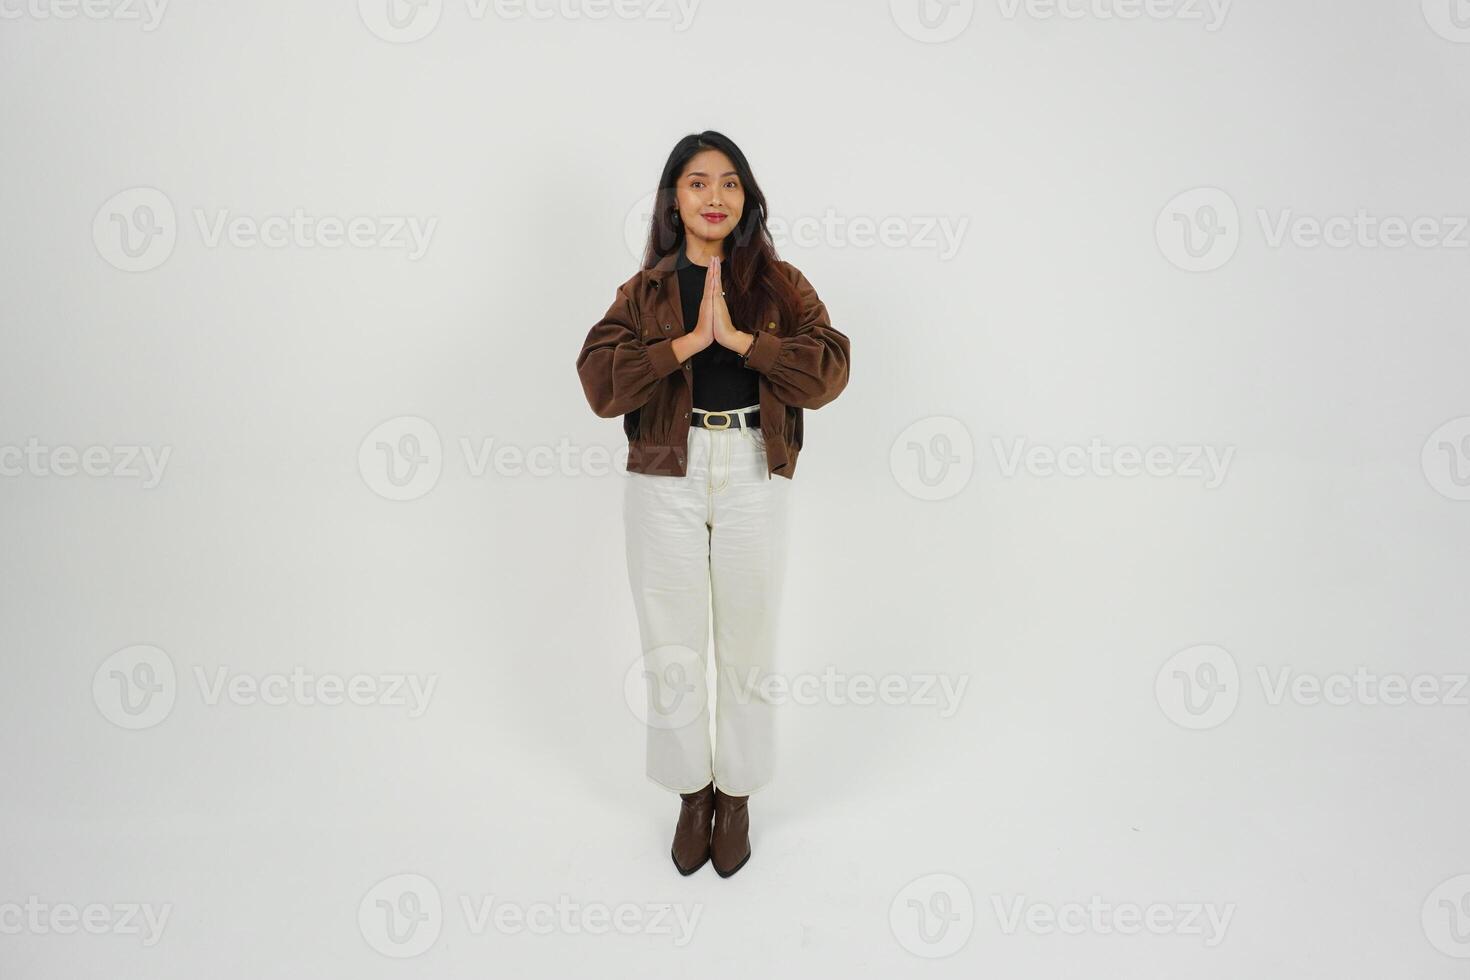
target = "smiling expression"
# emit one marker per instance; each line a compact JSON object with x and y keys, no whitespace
{"x":710,"y":196}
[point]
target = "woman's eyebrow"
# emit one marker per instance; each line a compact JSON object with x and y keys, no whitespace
{"x":701,"y":173}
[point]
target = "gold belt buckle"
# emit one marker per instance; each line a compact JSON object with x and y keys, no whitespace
{"x":708,"y":415}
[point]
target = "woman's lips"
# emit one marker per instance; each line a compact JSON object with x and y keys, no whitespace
{"x":714,"y":218}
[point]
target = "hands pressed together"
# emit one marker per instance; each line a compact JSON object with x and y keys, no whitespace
{"x":713,"y":325}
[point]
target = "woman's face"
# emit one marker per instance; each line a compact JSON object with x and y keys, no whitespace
{"x":710,"y":196}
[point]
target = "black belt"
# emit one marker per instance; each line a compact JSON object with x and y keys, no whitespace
{"x":725,"y":420}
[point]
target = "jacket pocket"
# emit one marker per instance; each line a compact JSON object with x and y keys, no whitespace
{"x":791,"y":426}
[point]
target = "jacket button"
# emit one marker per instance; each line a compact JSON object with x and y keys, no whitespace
{"x":771,"y":325}
{"x":686,"y":415}
{"x":667,"y":327}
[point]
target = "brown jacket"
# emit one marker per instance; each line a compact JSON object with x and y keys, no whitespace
{"x":628,"y":367}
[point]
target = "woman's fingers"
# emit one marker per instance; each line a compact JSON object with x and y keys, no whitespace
{"x":722,"y":312}
{"x":714,"y":279}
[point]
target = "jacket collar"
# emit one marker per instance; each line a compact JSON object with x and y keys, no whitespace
{"x":664,"y":266}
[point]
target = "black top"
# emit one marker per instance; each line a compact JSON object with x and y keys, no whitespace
{"x":721,"y":381}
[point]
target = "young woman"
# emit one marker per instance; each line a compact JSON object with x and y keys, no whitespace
{"x":710,"y":353}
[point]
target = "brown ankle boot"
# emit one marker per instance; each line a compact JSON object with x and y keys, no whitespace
{"x":730,"y":842}
{"x":691,"y":836}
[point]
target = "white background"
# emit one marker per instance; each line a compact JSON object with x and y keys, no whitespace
{"x":1334,"y":541}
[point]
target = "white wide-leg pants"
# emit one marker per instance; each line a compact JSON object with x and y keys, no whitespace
{"x":712,"y":539}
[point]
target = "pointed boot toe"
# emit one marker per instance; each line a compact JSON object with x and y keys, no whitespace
{"x":730,"y":839}
{"x":692,"y":833}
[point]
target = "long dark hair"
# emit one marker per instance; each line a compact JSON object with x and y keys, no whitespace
{"x":752,"y":281}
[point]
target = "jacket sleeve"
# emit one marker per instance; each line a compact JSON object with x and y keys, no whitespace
{"x":618,"y":370}
{"x":808,"y":368}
